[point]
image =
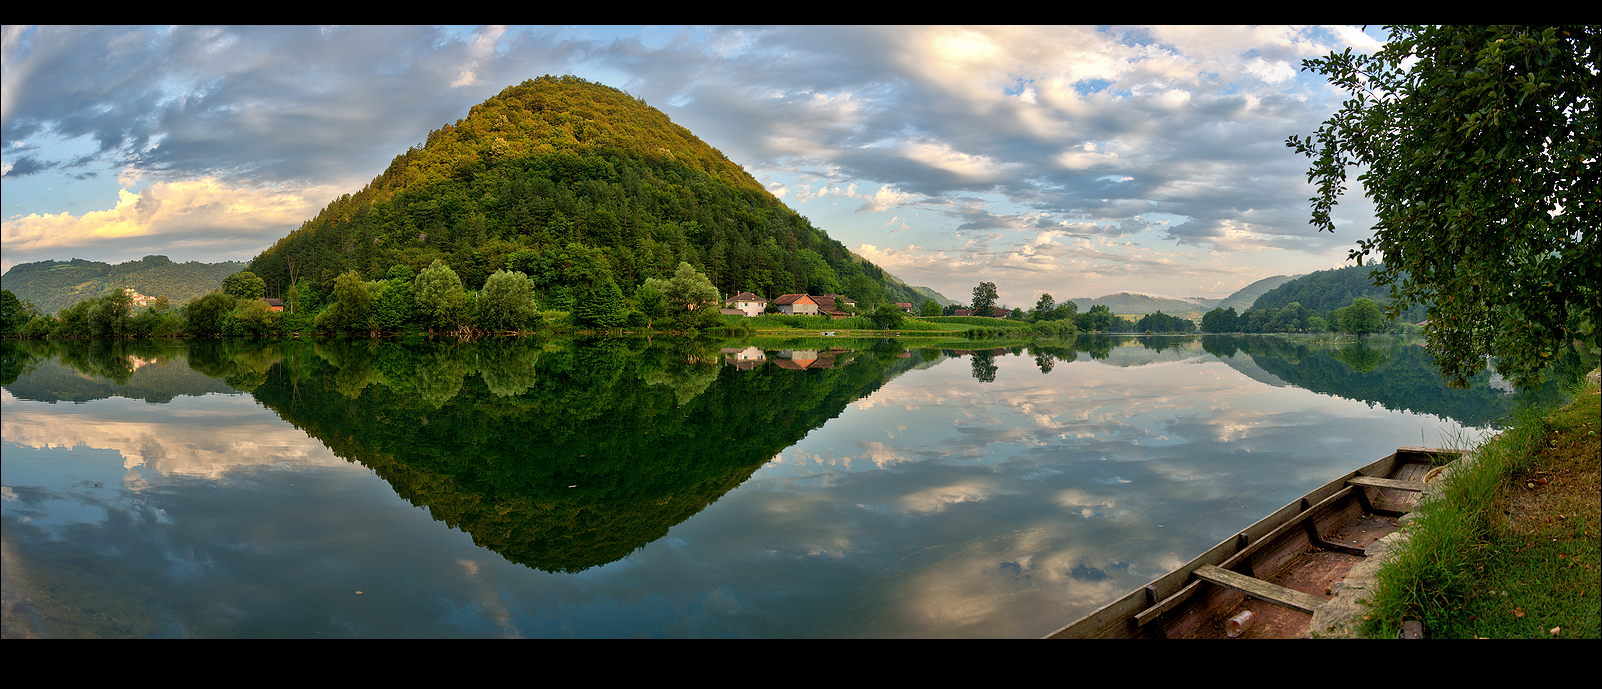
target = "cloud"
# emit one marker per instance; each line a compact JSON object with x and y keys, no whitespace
{"x":208,"y":211}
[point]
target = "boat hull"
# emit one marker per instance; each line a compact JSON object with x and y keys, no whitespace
{"x":1299,"y":550}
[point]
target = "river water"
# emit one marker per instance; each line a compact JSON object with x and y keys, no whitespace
{"x":629,"y":488}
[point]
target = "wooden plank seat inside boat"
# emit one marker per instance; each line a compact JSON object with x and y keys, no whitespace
{"x":1280,"y":568}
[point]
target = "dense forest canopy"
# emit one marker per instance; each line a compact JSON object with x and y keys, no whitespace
{"x":557,"y":167}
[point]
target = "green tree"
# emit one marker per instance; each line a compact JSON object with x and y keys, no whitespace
{"x":1362,"y":318}
{"x":206,"y":313}
{"x":888,"y":316}
{"x":440,"y":299}
{"x":507,"y":301}
{"x":352,"y":307}
{"x":1099,"y":319}
{"x":691,"y":298}
{"x":652,"y":304}
{"x":984,"y":299}
{"x":244,"y":285}
{"x":14,"y":313}
{"x":600,"y":304}
{"x":1045,"y":309}
{"x":930,"y":308}
{"x":1481,"y":146}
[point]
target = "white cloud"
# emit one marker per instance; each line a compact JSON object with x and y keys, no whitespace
{"x":196,"y":210}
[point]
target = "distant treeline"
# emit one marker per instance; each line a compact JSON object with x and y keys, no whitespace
{"x":1342,"y":300}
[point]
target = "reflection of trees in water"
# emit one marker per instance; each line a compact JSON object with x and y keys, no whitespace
{"x":83,"y":370}
{"x":984,"y":366}
{"x":1396,"y":374}
{"x":609,"y":444}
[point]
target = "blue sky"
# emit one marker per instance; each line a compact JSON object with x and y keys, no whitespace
{"x":1078,"y":161}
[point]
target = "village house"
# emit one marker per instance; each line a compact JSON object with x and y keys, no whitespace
{"x":745,"y":304}
{"x":796,"y":304}
{"x":137,"y":299}
{"x":829,"y":305}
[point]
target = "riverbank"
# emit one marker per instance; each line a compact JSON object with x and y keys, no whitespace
{"x":1508,"y":548}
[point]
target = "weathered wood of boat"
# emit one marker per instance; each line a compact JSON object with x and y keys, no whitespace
{"x":1280,"y":567}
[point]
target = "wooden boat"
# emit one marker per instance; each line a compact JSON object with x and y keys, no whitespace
{"x":1280,"y":568}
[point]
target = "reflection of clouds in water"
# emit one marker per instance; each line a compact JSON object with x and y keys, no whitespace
{"x":1086,"y":504}
{"x":201,"y":436}
{"x":938,"y":498}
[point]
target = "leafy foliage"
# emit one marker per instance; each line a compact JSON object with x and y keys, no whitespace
{"x":984,"y":298}
{"x":507,"y":302}
{"x":244,"y":285}
{"x":1481,"y":149}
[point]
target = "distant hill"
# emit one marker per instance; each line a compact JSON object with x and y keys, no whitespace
{"x":55,"y":285}
{"x":576,"y":184}
{"x":1326,"y":290}
{"x":1244,"y":297}
{"x":1126,"y":303}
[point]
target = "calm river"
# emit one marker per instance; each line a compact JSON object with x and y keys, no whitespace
{"x":624,"y":488}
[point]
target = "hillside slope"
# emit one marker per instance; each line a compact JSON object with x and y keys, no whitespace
{"x":55,"y":285}
{"x":1326,"y":290}
{"x":555,"y":172}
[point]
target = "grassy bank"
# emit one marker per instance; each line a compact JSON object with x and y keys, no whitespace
{"x":1511,"y":548}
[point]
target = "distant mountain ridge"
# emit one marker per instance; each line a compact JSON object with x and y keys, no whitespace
{"x":56,"y":285}
{"x":1129,"y":303}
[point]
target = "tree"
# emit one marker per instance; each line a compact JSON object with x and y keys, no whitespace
{"x":1045,"y":309}
{"x":206,"y":313}
{"x":244,"y":285}
{"x":984,"y":299}
{"x":1481,"y":150}
{"x":930,"y":308}
{"x":651,"y":304}
{"x":691,"y":298}
{"x":14,"y":313}
{"x":440,"y":299}
{"x":888,"y":316}
{"x":507,"y":302}
{"x":352,"y":306}
{"x":1362,"y":318}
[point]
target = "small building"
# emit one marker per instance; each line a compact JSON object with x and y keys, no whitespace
{"x":829,"y":305}
{"x":274,"y":304}
{"x":747,"y":304}
{"x":137,"y":299}
{"x":797,"y":304}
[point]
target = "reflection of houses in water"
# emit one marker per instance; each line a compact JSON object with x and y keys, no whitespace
{"x":744,"y":359}
{"x":808,"y":359}
{"x":795,"y":359}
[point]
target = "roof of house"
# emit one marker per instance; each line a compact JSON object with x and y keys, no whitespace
{"x":794,"y":299}
{"x":828,"y":304}
{"x":746,"y":296}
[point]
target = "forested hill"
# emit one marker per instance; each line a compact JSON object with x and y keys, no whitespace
{"x":55,"y":285}
{"x":1326,"y":290}
{"x":567,"y":181}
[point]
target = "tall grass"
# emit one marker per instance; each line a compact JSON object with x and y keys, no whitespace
{"x":1432,"y":577}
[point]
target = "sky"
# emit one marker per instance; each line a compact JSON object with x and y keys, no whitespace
{"x":1074,"y":161}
